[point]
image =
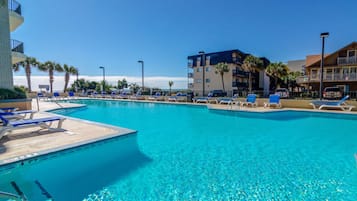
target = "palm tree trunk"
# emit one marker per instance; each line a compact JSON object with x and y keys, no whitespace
{"x":28,"y":77}
{"x":50,"y":72}
{"x":250,"y":82}
{"x":276,"y":82}
{"x":170,"y":90}
{"x":223,"y":82}
{"x":66,"y":80}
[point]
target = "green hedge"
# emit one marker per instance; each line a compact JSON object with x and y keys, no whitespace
{"x":17,"y":93}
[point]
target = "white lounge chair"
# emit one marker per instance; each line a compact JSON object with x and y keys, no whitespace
{"x":332,"y":104}
{"x":226,"y":101}
{"x":22,"y":114}
{"x":43,"y":123}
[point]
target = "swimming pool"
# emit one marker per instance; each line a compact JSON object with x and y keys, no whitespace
{"x":191,"y":153}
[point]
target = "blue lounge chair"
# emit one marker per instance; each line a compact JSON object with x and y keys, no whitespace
{"x":17,"y":114}
{"x":137,"y":96}
{"x":333,"y":104}
{"x":274,"y":100}
{"x":8,"y":109}
{"x":71,"y":94}
{"x":157,"y":97}
{"x":43,"y":123}
{"x":227,"y":101}
{"x":178,"y":97}
{"x":250,"y":101}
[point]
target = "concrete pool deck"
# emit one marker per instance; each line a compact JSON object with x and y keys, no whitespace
{"x":27,"y":143}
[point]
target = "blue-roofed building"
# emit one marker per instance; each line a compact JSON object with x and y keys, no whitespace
{"x":202,"y":77}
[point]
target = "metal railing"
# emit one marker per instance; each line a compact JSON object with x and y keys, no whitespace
{"x":239,"y":72}
{"x":15,"y":6}
{"x":17,"y":46}
{"x":10,"y":196}
{"x":190,"y":75}
{"x":346,"y":60}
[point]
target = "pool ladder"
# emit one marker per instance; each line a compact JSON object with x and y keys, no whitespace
{"x":21,"y":196}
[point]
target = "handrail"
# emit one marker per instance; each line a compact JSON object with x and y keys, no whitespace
{"x":17,"y":46}
{"x":15,"y":6}
{"x":10,"y":195}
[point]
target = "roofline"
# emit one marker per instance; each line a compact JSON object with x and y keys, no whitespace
{"x":327,"y":56}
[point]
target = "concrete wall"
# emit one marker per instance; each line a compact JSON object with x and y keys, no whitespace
{"x":6,"y":76}
{"x":22,"y":104}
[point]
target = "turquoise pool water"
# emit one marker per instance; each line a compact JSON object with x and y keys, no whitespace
{"x":192,"y":153}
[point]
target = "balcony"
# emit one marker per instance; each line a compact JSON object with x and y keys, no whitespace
{"x":17,"y":51}
{"x":239,"y":73}
{"x":302,"y":79}
{"x":346,"y":60}
{"x":239,"y":84}
{"x":190,"y":85}
{"x":190,"y":75}
{"x":15,"y":16}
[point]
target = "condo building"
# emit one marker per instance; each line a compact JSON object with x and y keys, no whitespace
{"x":202,"y":77}
{"x":340,"y":70}
{"x":11,"y":51}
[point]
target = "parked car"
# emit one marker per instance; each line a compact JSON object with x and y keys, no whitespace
{"x":282,"y":92}
{"x":332,"y":93}
{"x":217,"y":93}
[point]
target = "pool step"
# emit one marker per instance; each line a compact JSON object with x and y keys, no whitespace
{"x":44,"y":191}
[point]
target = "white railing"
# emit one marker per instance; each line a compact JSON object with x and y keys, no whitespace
{"x":346,"y":60}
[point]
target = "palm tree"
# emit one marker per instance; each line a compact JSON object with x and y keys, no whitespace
{"x":250,"y":64}
{"x":278,"y":71}
{"x":222,"y":68}
{"x":170,"y":85}
{"x":50,"y":67}
{"x":27,"y":64}
{"x":69,"y":70}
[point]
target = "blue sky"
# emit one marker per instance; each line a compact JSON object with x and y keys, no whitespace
{"x":116,"y":33}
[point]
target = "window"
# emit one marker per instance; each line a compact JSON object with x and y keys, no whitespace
{"x":328,"y":75}
{"x":351,"y":53}
{"x":208,"y":80}
{"x":336,"y":73}
{"x":208,"y":60}
{"x":199,"y":69}
{"x":353,"y":72}
{"x":314,"y":74}
{"x":208,"y":69}
{"x":198,"y":81}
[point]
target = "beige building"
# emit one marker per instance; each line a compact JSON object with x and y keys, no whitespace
{"x":340,"y":70}
{"x":202,"y":77}
{"x":11,"y":51}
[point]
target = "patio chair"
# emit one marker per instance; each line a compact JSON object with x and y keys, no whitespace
{"x":17,"y":114}
{"x":250,"y":101}
{"x":56,"y":95}
{"x":332,"y":104}
{"x":8,"y":109}
{"x":226,"y":101}
{"x":274,"y":100}
{"x":71,"y":94}
{"x":43,"y":123}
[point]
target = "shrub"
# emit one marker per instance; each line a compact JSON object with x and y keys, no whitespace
{"x":17,"y":93}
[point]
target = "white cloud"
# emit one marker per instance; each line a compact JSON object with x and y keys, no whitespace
{"x":58,"y":85}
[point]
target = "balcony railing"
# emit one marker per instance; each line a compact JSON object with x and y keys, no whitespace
{"x":239,"y":72}
{"x":15,"y":6}
{"x":346,"y":60}
{"x":239,"y":84}
{"x":17,"y":46}
{"x":190,"y":85}
{"x":190,"y":75}
{"x":302,"y":79}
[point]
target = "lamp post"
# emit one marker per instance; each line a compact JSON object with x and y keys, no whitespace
{"x":323,"y":36}
{"x":142,"y":75}
{"x":203,"y":63}
{"x":103,"y":77}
